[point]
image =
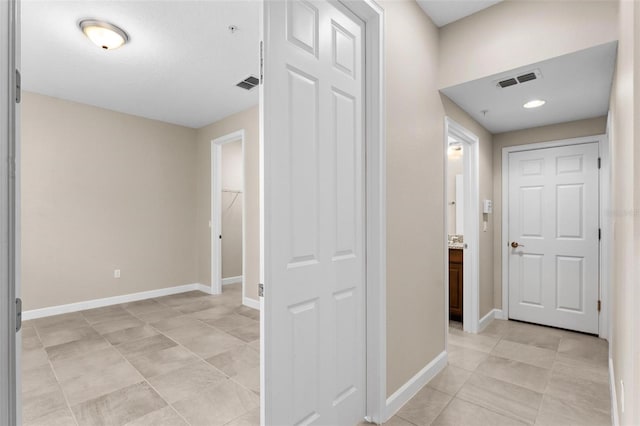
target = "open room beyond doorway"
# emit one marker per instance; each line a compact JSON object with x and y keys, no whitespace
{"x":116,"y":245}
{"x":228,"y":211}
{"x":461,"y":220}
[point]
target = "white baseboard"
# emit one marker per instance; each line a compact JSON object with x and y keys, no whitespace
{"x":232,"y":280}
{"x":486,"y":320}
{"x":251,"y":303}
{"x":615,"y":420}
{"x":114,"y":300}
{"x":204,"y":288}
{"x":417,"y":382}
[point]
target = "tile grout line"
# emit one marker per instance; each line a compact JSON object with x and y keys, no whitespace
{"x":145,"y":380}
{"x":155,"y":390}
{"x":55,"y":375}
{"x":505,"y":414}
{"x":190,"y":351}
{"x":160,"y":332}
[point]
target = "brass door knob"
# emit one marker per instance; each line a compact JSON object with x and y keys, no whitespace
{"x":516,"y":245}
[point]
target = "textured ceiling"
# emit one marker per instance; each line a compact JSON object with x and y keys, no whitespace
{"x":443,"y":12}
{"x":575,"y":86}
{"x":180,"y":66}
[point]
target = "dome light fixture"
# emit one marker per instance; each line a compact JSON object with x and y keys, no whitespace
{"x":536,"y":103}
{"x":103,"y":34}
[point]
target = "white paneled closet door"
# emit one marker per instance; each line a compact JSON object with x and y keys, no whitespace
{"x":553,"y":236}
{"x":314,"y":217}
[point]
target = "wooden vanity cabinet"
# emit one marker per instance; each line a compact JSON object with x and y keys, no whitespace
{"x":455,"y":284}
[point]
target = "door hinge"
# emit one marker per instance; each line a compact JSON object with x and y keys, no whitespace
{"x":18,"y":314}
{"x":599,"y":305}
{"x":260,"y":290}
{"x":599,"y":162}
{"x":18,"y":87}
{"x":261,"y":64}
{"x":599,"y":234}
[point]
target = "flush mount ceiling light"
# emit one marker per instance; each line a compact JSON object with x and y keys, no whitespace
{"x":103,"y":34}
{"x":536,"y":103}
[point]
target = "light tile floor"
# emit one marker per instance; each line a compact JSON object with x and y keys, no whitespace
{"x":515,"y":374}
{"x":188,"y":359}
{"x":192,"y":359}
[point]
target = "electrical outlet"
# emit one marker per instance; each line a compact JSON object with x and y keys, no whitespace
{"x":116,"y":273}
{"x":622,"y":395}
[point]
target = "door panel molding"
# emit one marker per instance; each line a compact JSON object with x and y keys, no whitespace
{"x":603,"y":210}
{"x":374,"y":209}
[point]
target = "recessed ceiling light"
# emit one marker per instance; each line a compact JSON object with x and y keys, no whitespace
{"x":103,"y":34}
{"x":534,"y":103}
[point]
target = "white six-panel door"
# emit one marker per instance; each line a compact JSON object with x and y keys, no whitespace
{"x":553,"y":219}
{"x":314,"y":222}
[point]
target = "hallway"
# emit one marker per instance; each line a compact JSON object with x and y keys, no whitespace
{"x":514,"y":374}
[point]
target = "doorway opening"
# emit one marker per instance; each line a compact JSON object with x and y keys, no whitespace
{"x":461,"y":223}
{"x":228,"y":212}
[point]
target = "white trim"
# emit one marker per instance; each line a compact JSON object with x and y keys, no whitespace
{"x":376,"y":206}
{"x":615,"y":420}
{"x":251,"y":303}
{"x":216,"y":215}
{"x":113,"y":300}
{"x":203,"y":288}
{"x":403,"y":395}
{"x":10,"y":395}
{"x":487,"y":319}
{"x":606,"y":224}
{"x":232,"y":280}
{"x":605,"y":221}
{"x":471,"y":257}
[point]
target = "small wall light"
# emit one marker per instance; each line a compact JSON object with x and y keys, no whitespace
{"x":455,"y":150}
{"x":103,"y":34}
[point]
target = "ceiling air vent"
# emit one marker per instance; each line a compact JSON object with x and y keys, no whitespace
{"x":523,"y":78}
{"x":508,"y":82}
{"x":249,"y":83}
{"x":527,"y":77}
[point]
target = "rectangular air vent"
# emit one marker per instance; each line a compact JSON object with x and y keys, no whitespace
{"x":249,"y":83}
{"x":513,"y":81}
{"x":508,"y":82}
{"x":526,"y":77}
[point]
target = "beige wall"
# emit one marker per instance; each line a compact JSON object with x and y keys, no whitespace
{"x":515,"y":33}
{"x":415,"y":193}
{"x":247,"y":120}
{"x":625,"y":150}
{"x":232,"y":177}
{"x":573,"y":129}
{"x":485,"y":173}
{"x":101,"y":191}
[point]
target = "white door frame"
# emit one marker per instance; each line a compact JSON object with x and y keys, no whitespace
{"x":471,"y":263}
{"x":375,"y":181}
{"x":604,"y":220}
{"x":216,"y":210}
{"x":9,"y":214}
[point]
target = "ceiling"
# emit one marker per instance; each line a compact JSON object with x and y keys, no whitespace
{"x":443,"y":12}
{"x":180,"y":66}
{"x":575,"y":86}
